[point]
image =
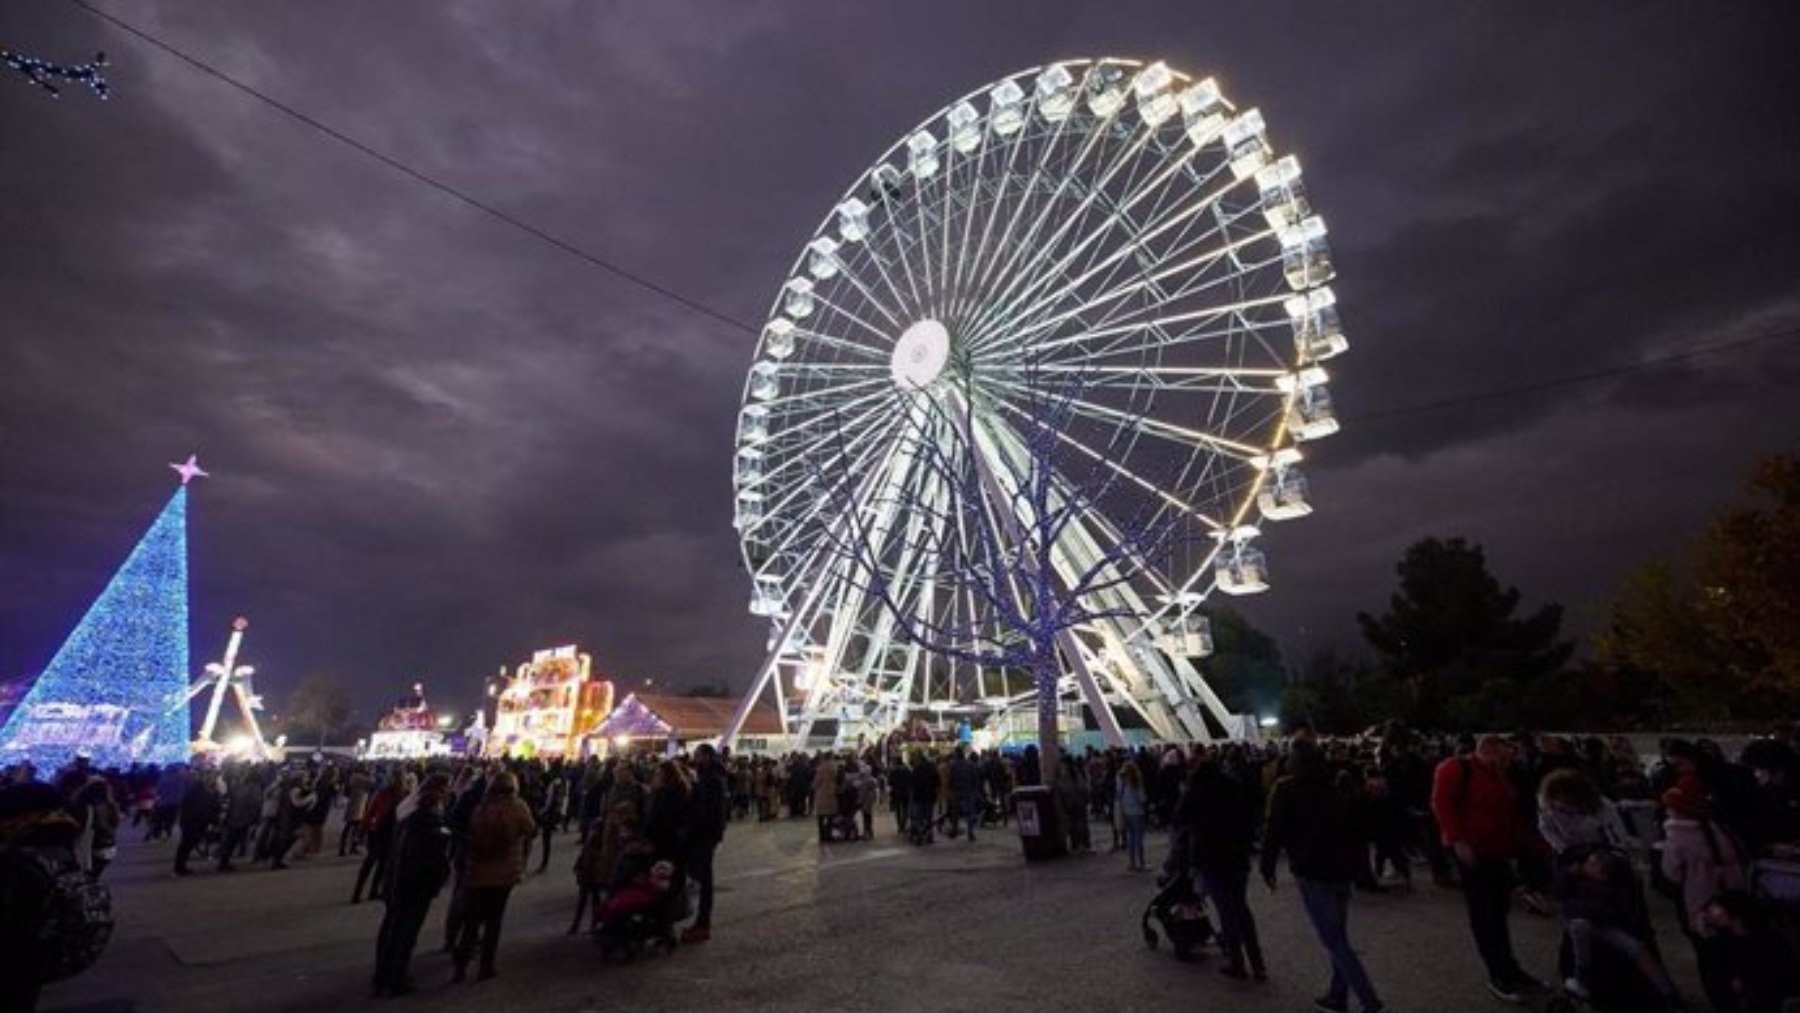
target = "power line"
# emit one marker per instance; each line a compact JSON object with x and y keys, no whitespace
{"x":1572,"y":379}
{"x":632,"y":277}
{"x":622,"y":273}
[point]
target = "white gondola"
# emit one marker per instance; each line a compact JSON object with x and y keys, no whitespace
{"x":1105,"y":87}
{"x":1284,"y":496}
{"x":963,"y":123}
{"x":753,"y":424}
{"x":1202,"y":111}
{"x":1151,"y":86}
{"x":1189,"y":635}
{"x":749,"y":466}
{"x":853,"y":220}
{"x":1306,"y":255}
{"x":766,"y":599}
{"x":1055,"y":94}
{"x":1283,"y":194}
{"x":1006,"y":107}
{"x":1318,"y":335}
{"x":765,"y":381}
{"x":1312,"y":416}
{"x":797,"y":298}
{"x":778,"y":338}
{"x":1246,"y":144}
{"x":1241,"y":569}
{"x":821,"y":258}
{"x":921,"y":154}
{"x":750,"y":510}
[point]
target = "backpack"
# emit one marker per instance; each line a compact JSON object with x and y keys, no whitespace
{"x":77,"y":916}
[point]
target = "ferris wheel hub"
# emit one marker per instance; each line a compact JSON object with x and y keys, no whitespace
{"x":921,"y":354}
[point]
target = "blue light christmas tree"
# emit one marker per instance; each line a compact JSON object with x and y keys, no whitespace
{"x":116,"y":690}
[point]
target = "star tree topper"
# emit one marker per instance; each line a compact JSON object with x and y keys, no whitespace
{"x":189,"y":470}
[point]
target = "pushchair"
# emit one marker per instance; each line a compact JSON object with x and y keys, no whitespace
{"x":638,"y":914}
{"x":1616,"y":983}
{"x":1180,"y":908}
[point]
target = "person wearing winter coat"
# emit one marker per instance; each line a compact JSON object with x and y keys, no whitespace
{"x":703,"y":831}
{"x":1313,"y":821}
{"x":419,"y":867}
{"x":1703,"y":859}
{"x":93,"y":807}
{"x":825,"y":795}
{"x":199,"y":808}
{"x":500,"y":831}
{"x":378,"y":836}
{"x":243,"y":807}
{"x":1219,"y":813}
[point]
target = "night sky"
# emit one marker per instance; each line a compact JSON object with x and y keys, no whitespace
{"x":439,"y":442}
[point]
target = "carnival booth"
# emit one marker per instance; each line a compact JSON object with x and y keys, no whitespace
{"x":409,"y":731}
{"x":549,"y":706}
{"x":654,"y":722}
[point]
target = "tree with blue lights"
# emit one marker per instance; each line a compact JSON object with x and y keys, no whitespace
{"x":116,"y":690}
{"x":45,"y":74}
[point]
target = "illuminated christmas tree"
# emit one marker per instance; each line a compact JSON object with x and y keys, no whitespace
{"x":116,"y":690}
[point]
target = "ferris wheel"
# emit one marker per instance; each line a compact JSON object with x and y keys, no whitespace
{"x":1116,"y":230}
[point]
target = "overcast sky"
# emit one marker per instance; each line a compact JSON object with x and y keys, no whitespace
{"x":439,"y":442}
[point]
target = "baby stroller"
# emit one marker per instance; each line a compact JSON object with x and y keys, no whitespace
{"x":1616,"y":982}
{"x":843,"y":827}
{"x":637,"y":914}
{"x":1181,"y":910}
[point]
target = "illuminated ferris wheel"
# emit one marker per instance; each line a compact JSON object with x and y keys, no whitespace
{"x":1103,"y":226}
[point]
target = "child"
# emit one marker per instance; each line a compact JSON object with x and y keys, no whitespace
{"x":1602,"y":906}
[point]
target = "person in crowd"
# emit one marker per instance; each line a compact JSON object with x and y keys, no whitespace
{"x":868,"y":795}
{"x":199,"y":808}
{"x":704,"y":830}
{"x":591,"y":877}
{"x":1133,"y":807}
{"x":500,"y":831}
{"x":419,"y":867}
{"x":825,"y":795}
{"x":1754,"y":963}
{"x":92,"y":806}
{"x":550,"y":817}
{"x":37,"y":834}
{"x":171,"y":787}
{"x":1218,"y":813}
{"x":378,"y":835}
{"x":1480,"y":820}
{"x":1313,"y":822}
{"x":922,"y":788}
{"x":243,"y":807}
{"x":965,"y":792}
{"x":357,"y":790}
{"x":900,"y":794}
{"x":1072,"y":796}
{"x":1701,"y":859}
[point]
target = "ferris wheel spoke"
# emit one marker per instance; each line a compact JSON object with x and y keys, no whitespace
{"x":1049,"y":204}
{"x":985,"y":264}
{"x":1018,"y":338}
{"x":1121,"y":471}
{"x":970,"y":264}
{"x":1171,"y":379}
{"x":1044,"y":275}
{"x":1040,"y":250}
{"x":1155,"y":427}
{"x":1155,"y":329}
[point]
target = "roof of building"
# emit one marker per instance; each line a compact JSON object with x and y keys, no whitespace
{"x":687,"y":716}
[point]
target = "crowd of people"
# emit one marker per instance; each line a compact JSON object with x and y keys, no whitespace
{"x":1556,"y":825}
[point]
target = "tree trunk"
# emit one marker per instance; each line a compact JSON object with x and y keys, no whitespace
{"x":1047,"y":674}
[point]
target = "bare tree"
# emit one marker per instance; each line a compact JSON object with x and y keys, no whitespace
{"x":1000,"y":503}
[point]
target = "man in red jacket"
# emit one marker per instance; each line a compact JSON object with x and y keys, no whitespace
{"x":1479,"y":817}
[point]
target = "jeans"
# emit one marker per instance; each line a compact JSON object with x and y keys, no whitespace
{"x":1487,"y":889}
{"x":1134,"y":841}
{"x":971,"y":811}
{"x":1328,"y":908}
{"x":1229,"y":889}
{"x":483,"y":911}
{"x":232,"y":843}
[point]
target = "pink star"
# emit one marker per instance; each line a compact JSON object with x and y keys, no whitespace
{"x":189,"y":470}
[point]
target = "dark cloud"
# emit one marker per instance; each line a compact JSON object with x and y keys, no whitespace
{"x":441,"y":443}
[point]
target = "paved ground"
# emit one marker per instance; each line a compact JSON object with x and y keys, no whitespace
{"x":866,"y":926}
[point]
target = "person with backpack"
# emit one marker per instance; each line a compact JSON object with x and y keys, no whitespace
{"x":500,"y":832}
{"x":419,"y":868}
{"x":57,"y":918}
{"x":1481,"y":822}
